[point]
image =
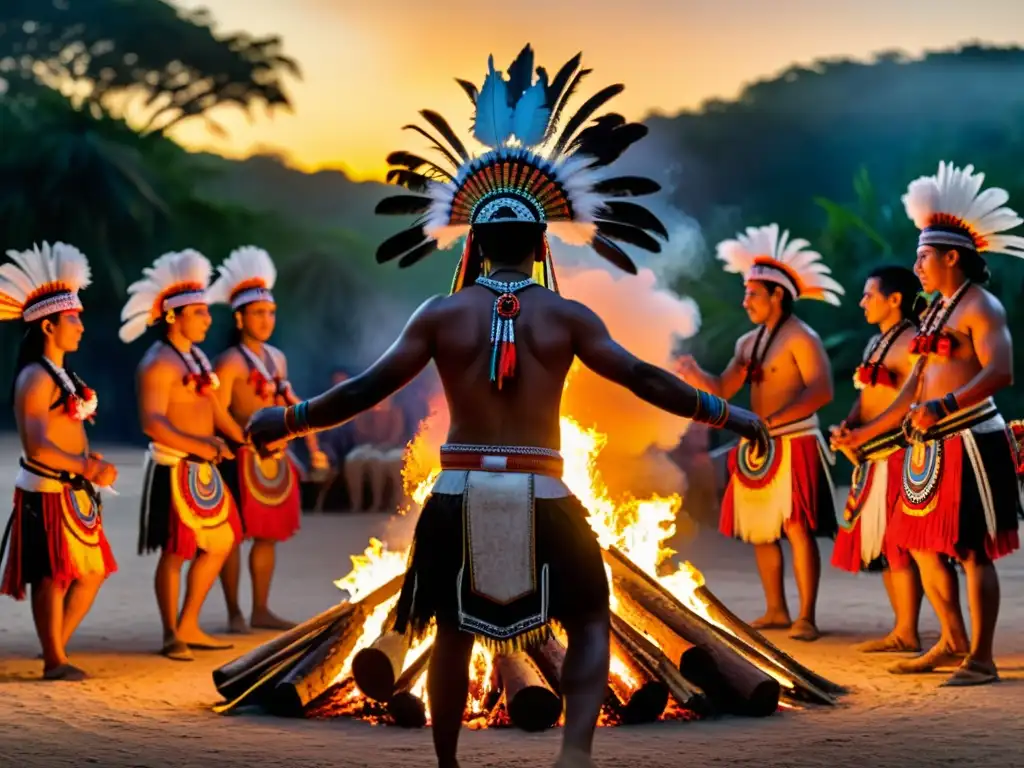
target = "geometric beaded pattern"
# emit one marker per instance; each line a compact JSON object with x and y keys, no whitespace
{"x":270,"y":481}
{"x":922,"y":468}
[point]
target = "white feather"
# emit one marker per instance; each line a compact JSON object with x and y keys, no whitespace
{"x":32,"y":269}
{"x":145,"y":295}
{"x":492,"y":126}
{"x":530,"y":120}
{"x":242,"y":264}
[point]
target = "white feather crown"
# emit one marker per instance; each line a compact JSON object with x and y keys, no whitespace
{"x":175,"y":280}
{"x":760,"y":253}
{"x":42,"y":281}
{"x":951,"y":209}
{"x":538,"y":169}
{"x":247,"y":275}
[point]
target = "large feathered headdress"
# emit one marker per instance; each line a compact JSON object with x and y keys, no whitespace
{"x":43,"y":281}
{"x":175,"y":280}
{"x":950,"y":209}
{"x":761,"y":254}
{"x":537,"y":169}
{"x":247,"y":275}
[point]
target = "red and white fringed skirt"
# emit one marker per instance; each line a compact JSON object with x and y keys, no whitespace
{"x":186,"y":508}
{"x":861,"y":542}
{"x":54,"y":535}
{"x":960,"y":493}
{"x":790,"y":486}
{"x":267,"y":494}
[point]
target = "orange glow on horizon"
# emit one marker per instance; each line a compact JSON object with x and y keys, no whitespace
{"x":368,"y":69}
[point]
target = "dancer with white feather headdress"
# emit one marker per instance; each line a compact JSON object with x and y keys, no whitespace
{"x":960,"y":495}
{"x":789,"y":492}
{"x":502,"y":546}
{"x":54,"y":541}
{"x":187,"y":512}
{"x":252,"y":375}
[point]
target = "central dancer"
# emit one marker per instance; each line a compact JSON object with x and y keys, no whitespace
{"x":502,"y":546}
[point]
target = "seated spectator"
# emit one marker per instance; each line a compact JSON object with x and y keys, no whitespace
{"x":379,"y":436}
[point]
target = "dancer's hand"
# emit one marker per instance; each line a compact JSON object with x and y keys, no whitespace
{"x":750,"y":426}
{"x":318,"y":460}
{"x":687,"y":368}
{"x":923,"y":416}
{"x":265,"y":428}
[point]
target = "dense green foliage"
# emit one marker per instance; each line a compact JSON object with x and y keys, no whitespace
{"x":92,"y":86}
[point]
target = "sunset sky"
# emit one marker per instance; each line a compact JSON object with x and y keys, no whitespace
{"x":369,"y":65}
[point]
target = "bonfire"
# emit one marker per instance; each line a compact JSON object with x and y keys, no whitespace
{"x":677,"y":652}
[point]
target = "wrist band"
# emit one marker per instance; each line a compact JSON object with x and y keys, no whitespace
{"x":710,"y":410}
{"x":950,"y":404}
{"x":296,"y":418}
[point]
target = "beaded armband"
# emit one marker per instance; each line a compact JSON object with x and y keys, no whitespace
{"x":711,"y":410}
{"x":296,"y":419}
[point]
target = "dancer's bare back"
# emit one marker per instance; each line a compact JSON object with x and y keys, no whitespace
{"x":454,"y":332}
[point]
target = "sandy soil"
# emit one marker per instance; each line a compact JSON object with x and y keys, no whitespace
{"x":141,"y":710}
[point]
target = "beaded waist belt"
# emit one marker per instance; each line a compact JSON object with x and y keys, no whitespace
{"x":882,"y":445}
{"x":502,"y":458}
{"x":963,"y":419}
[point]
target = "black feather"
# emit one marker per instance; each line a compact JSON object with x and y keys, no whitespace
{"x":520,"y":72}
{"x":614,"y":254}
{"x":417,"y":253}
{"x":627,"y":186}
{"x":565,"y":97}
{"x":469,"y":88}
{"x":415,"y":162}
{"x":581,"y":115}
{"x":634,"y":215}
{"x":433,"y":140}
{"x":415,"y":182}
{"x":607,"y":144}
{"x":442,"y":127}
{"x":401,"y":243}
{"x":402,"y":205}
{"x":554,"y":91}
{"x":626,"y":233}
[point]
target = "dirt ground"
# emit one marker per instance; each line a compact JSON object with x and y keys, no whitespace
{"x":143,"y":711}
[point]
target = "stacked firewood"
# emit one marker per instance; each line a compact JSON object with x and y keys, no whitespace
{"x":669,"y":658}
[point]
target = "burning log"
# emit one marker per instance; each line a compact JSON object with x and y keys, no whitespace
{"x":550,"y":658}
{"x":657,"y":600}
{"x":640,"y":698}
{"x":406,"y":708}
{"x":755,"y":639}
{"x":377,"y":667}
{"x":532,"y":704}
{"x":320,"y":667}
{"x":732,"y":684}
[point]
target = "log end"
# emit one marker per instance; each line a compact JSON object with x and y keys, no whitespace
{"x":407,"y":710}
{"x":286,"y":702}
{"x":646,"y":705}
{"x":763,"y":701}
{"x":535,"y":708}
{"x":374,"y":674}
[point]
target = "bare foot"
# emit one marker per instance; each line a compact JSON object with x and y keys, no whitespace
{"x":891,"y":643}
{"x":65,"y":672}
{"x":176,"y":650}
{"x":237,"y":625}
{"x":573,"y":758}
{"x":266,"y":620}
{"x":773,"y":620}
{"x":804,"y":629}
{"x":941,"y":655}
{"x":198,"y":640}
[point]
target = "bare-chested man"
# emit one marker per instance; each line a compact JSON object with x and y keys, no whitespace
{"x":253,"y":375}
{"x":861,"y":543}
{"x":503,"y":346}
{"x":960,"y":496}
{"x":790,"y":491}
{"x":54,"y":541}
{"x":187,"y":512}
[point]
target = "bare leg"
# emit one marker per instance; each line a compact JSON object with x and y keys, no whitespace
{"x":261,"y":565}
{"x":584,"y":683}
{"x":201,"y":575}
{"x":168,"y":585}
{"x":78,"y":601}
{"x":769,"y":566}
{"x":355,"y":478}
{"x":983,"y":600}
{"x":378,"y":470}
{"x":447,"y":690}
{"x":940,"y":586}
{"x":807,"y":569}
{"x":48,"y":615}
{"x":230,"y":580}
{"x":903,"y":588}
